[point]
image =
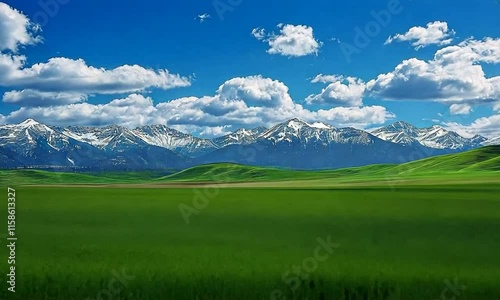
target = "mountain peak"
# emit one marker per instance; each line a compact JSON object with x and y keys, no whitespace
{"x":295,"y":121}
{"x":435,"y":136}
{"x":29,"y":122}
{"x":437,"y":127}
{"x":402,"y":124}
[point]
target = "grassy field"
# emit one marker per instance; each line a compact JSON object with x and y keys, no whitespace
{"x":400,"y":243}
{"x":428,"y":229}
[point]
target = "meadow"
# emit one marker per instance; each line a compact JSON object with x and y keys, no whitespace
{"x":405,"y":242}
{"x":428,"y":229}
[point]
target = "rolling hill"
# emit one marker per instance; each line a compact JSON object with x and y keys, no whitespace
{"x":484,"y":161}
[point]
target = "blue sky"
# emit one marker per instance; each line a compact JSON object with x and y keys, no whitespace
{"x":263,"y":79}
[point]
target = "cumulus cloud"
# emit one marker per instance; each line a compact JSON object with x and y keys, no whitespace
{"x":485,"y":126}
{"x":65,"y":80}
{"x":342,"y":91}
{"x":436,"y":33}
{"x":68,"y":75}
{"x":134,"y":110}
{"x":453,"y":75}
{"x":16,"y":29}
{"x":256,"y":91}
{"x":292,"y":40}
{"x":460,"y":109}
{"x":240,"y":102}
{"x":37,"y":98}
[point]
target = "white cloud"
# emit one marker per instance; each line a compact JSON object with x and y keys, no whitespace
{"x":454,"y":75}
{"x":37,"y":98}
{"x":496,"y":106}
{"x":359,"y":117}
{"x":214,"y":131}
{"x":134,"y":110}
{"x":68,"y":75}
{"x":460,"y":109}
{"x":326,"y":78}
{"x":239,"y":102}
{"x":342,"y":91}
{"x":292,"y":40}
{"x":259,"y":33}
{"x":16,"y":29}
{"x":203,"y":17}
{"x":256,"y":91}
{"x":65,"y":80}
{"x":485,"y":126}
{"x":436,"y":33}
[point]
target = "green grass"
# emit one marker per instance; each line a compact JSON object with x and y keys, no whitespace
{"x":39,"y":177}
{"x":400,"y":243}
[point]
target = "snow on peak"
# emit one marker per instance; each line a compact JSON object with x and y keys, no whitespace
{"x":434,"y":137}
{"x":29,"y":122}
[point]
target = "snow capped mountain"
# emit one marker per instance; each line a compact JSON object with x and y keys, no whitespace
{"x":90,"y":135}
{"x":399,"y":132}
{"x":37,"y":145}
{"x":435,"y":137}
{"x":292,"y":144}
{"x":25,"y":137}
{"x":186,"y":144}
{"x":239,"y":137}
{"x":109,"y":137}
{"x":298,"y":131}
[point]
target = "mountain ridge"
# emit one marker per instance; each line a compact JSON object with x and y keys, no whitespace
{"x":294,"y":144}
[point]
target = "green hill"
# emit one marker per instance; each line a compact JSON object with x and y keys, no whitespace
{"x":227,"y":172}
{"x":482,"y":161}
{"x":23,"y":177}
{"x":485,"y":159}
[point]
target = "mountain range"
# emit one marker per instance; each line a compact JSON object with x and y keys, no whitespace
{"x":292,"y":144}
